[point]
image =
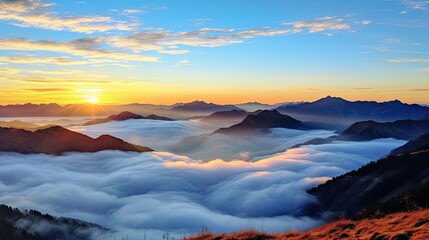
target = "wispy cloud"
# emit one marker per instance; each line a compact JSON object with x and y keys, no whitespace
{"x":42,"y":90}
{"x":320,"y":25}
{"x":42,"y":60}
{"x":116,"y":48}
{"x":169,"y":42}
{"x":9,"y":70}
{"x":408,"y":60}
{"x":84,"y":47}
{"x":183,"y":62}
{"x":362,"y":88}
{"x":36,"y":14}
{"x":418,"y":90}
{"x":419,"y":5}
{"x":132,"y":11}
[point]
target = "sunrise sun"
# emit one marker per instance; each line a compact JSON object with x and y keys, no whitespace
{"x":92,"y":99}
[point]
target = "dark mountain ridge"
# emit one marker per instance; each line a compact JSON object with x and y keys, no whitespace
{"x":401,"y":129}
{"x":201,"y":106}
{"x":261,"y":121}
{"x":33,"y":225}
{"x":58,"y":140}
{"x":232,"y":116}
{"x":392,"y":184}
{"x":345,"y":112}
{"x":370,"y":130}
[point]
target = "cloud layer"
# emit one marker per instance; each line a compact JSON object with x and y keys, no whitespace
{"x":162,"y":192}
{"x":36,"y":13}
{"x":190,"y":138}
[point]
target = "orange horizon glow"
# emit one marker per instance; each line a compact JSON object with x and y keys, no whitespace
{"x":228,"y":96}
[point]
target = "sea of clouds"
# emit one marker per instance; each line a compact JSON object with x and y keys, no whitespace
{"x":193,"y":139}
{"x":140,"y":194}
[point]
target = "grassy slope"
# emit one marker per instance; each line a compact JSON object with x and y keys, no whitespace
{"x":406,"y":225}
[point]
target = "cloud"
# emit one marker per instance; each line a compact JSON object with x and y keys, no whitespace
{"x":9,"y":70}
{"x":129,"y":48}
{"x":183,"y":62}
{"x":42,"y":90}
{"x":362,"y":88}
{"x":84,"y":47}
{"x":132,"y":11}
{"x":34,"y":13}
{"x":162,"y":192}
{"x":417,"y":5}
{"x":168,"y":42}
{"x":320,"y":25}
{"x":408,"y":60}
{"x":418,"y":90}
{"x":190,"y":138}
{"x":44,"y":60}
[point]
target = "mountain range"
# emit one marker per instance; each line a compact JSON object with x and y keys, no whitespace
{"x":57,"y":140}
{"x":125,"y":116}
{"x":22,"y":125}
{"x":325,"y":110}
{"x":343,"y":112}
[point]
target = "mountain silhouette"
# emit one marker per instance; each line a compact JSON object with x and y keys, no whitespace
{"x":226,"y":116}
{"x":29,"y":110}
{"x":261,"y":122}
{"x":414,"y":145}
{"x":341,"y":111}
{"x":370,"y":130}
{"x":125,"y":116}
{"x":33,"y":225}
{"x":201,"y":106}
{"x":58,"y":140}
{"x":401,"y":129}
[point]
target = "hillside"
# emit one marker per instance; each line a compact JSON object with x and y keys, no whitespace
{"x":33,"y":225}
{"x":416,"y":144}
{"x":58,"y":140}
{"x":406,"y":225}
{"x":379,"y":185}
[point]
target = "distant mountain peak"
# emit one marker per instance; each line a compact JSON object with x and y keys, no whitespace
{"x":396,"y":101}
{"x":331,"y":98}
{"x":201,"y":106}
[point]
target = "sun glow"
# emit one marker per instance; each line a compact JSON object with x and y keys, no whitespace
{"x":92,"y":99}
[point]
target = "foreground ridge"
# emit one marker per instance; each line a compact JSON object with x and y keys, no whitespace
{"x":405,"y":225}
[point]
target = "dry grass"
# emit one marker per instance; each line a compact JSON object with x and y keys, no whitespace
{"x":399,"y":226}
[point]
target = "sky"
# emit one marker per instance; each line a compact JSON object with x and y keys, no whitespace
{"x":117,"y":52}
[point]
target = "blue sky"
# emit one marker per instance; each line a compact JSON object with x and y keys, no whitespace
{"x":217,"y":51}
